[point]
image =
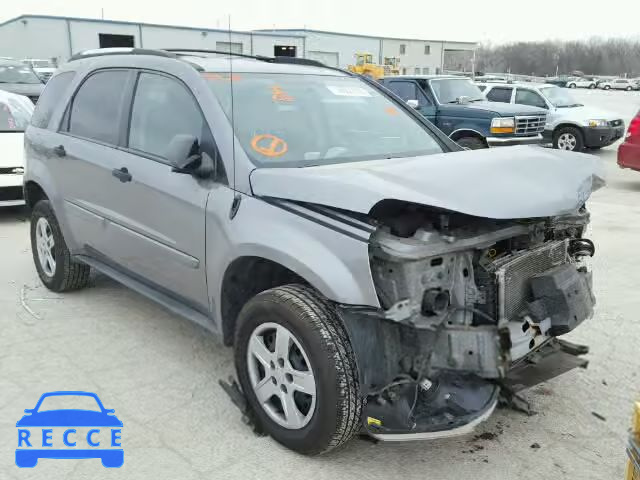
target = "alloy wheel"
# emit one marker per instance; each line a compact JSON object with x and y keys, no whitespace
{"x":567,"y":141}
{"x":45,"y":244}
{"x":281,"y":375}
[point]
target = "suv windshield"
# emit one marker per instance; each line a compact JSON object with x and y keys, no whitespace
{"x":15,"y":113}
{"x":449,"y":90}
{"x":17,"y":73}
{"x":559,"y":97}
{"x":285,"y":120}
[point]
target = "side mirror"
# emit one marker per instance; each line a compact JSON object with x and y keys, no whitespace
{"x":181,"y":151}
{"x":413,"y":103}
{"x":185,"y":156}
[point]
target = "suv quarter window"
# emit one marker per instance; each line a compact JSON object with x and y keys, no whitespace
{"x":529,"y":97}
{"x":95,"y":111}
{"x":162,"y":108}
{"x":49,"y":99}
{"x":500,"y":94}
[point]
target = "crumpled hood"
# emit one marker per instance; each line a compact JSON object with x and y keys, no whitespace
{"x":501,"y":183}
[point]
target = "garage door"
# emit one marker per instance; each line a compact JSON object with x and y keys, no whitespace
{"x":330,"y":59}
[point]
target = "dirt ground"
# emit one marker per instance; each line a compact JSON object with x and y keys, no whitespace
{"x":160,"y":373}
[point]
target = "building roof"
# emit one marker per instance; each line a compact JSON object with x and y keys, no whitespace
{"x":284,"y":32}
{"x":326,"y":32}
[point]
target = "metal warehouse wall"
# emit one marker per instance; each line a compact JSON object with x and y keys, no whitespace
{"x":345,"y":46}
{"x":414,"y":56}
{"x":163,"y":37}
{"x":35,"y":38}
{"x":263,"y":44}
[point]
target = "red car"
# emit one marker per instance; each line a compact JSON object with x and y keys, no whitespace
{"x":629,"y":151}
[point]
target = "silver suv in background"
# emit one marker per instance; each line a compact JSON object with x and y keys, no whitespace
{"x":371,"y":275}
{"x":570,"y":125}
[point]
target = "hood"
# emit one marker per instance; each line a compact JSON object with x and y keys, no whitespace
{"x":69,"y":418}
{"x":11,"y":149}
{"x":506,"y":109}
{"x":27,"y":89}
{"x":501,"y":183}
{"x":580,"y":114}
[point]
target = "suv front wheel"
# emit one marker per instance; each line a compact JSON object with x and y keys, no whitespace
{"x":51,"y":256}
{"x":297,"y":369}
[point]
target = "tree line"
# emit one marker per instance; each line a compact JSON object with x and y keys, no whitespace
{"x":615,"y":56}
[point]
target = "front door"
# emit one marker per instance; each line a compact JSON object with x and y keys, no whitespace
{"x":410,"y":90}
{"x":160,"y":234}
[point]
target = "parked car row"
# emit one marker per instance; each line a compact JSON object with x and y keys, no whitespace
{"x":570,"y":125}
{"x":627,"y":84}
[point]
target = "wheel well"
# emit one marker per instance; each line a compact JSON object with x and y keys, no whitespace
{"x":245,"y":278}
{"x":566,"y":125}
{"x":33,"y":193}
{"x":455,"y":136}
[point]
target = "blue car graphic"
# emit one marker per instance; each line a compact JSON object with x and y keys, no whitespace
{"x":27,"y":453}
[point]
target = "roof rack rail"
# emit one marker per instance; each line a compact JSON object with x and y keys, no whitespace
{"x":290,"y":60}
{"x":100,"y":52}
{"x":182,"y":52}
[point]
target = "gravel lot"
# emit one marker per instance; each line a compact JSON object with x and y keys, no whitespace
{"x":160,"y":374}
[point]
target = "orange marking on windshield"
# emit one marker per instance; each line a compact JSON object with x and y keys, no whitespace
{"x":269,"y":145}
{"x":391,"y":111}
{"x":279,"y":95}
{"x":220,"y":77}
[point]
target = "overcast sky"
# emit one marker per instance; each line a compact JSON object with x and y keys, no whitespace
{"x":428,"y":19}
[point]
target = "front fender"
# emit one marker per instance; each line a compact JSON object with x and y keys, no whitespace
{"x":328,"y":258}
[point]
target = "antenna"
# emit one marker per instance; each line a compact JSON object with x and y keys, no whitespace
{"x":233,"y":125}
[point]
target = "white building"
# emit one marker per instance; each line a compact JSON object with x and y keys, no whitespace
{"x":39,"y":36}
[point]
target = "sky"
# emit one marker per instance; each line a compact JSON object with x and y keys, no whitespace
{"x":465,"y":20}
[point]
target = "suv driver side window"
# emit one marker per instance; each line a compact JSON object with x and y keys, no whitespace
{"x":162,"y":109}
{"x":529,"y":97}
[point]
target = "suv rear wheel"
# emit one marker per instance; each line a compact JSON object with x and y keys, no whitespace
{"x":51,"y":256}
{"x":297,"y":369}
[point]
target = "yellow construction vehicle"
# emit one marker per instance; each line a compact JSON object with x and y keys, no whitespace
{"x":391,"y":66}
{"x":365,"y":66}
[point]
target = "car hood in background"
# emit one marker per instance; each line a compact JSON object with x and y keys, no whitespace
{"x":505,"y":109}
{"x":11,"y":149}
{"x":27,"y":89}
{"x":584,"y":113}
{"x":502,"y":183}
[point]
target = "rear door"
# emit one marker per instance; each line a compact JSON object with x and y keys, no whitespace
{"x":86,"y":152}
{"x":159,"y":234}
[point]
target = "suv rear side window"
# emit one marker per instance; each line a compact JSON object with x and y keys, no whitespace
{"x":49,"y":99}
{"x":162,"y":109}
{"x":500,"y":94}
{"x":97,"y":107}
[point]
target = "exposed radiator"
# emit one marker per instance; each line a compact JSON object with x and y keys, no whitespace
{"x":512,"y":274}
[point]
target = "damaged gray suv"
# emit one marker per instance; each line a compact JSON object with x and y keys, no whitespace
{"x":371,"y":275}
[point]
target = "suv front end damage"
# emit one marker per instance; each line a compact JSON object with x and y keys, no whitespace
{"x":465,"y":302}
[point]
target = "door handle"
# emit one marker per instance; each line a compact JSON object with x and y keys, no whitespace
{"x":60,"y":151}
{"x":122,"y":174}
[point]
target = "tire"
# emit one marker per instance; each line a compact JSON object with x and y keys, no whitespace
{"x":335,"y":413}
{"x":62,"y":273}
{"x":607,"y":87}
{"x":592,"y":86}
{"x":628,"y":89}
{"x":566,"y":137}
{"x":472,"y":143}
{"x":572,"y":85}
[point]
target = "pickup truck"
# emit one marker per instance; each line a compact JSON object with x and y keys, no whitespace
{"x":458,"y":108}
